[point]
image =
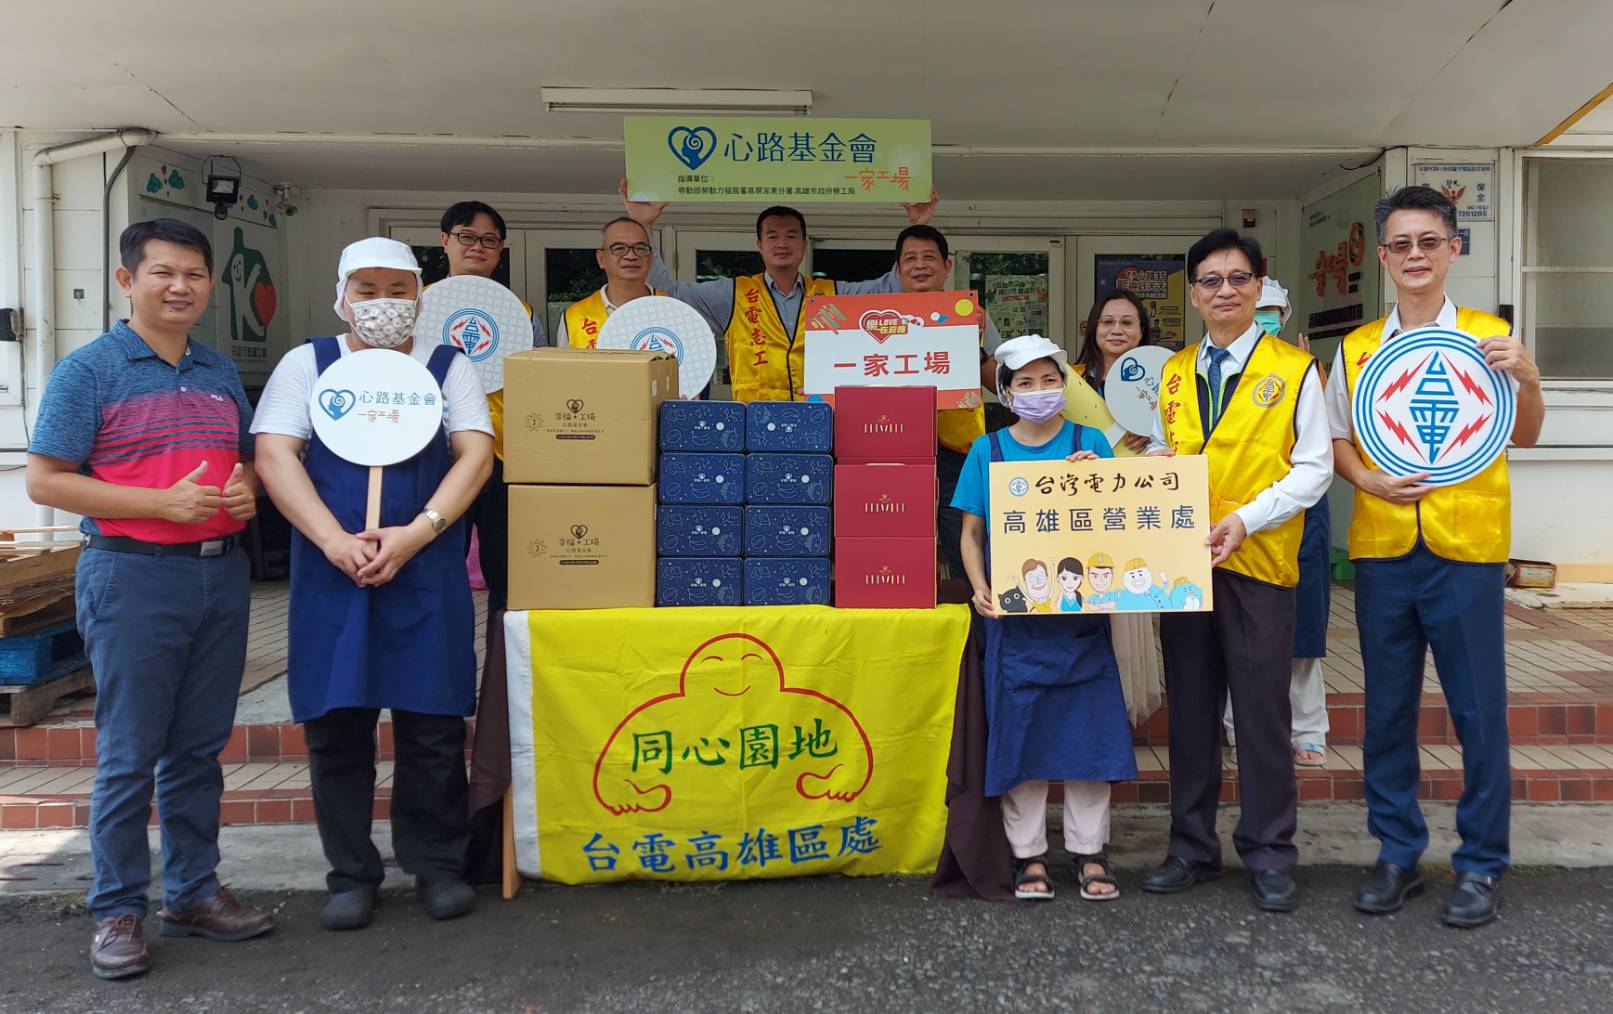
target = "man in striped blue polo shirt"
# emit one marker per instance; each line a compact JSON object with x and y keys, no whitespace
{"x":147,"y":435}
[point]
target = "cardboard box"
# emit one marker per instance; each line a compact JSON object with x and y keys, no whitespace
{"x":584,"y":416}
{"x":789,"y":478}
{"x":789,"y":427}
{"x":702,"y":478}
{"x":884,"y":423}
{"x":786,"y":581}
{"x":1531,"y":574}
{"x":582,"y":547}
{"x":699,"y":530}
{"x":885,"y":501}
{"x":885,"y":573}
{"x":716,"y":426}
{"x":787,"y":531}
{"x":699,"y":581}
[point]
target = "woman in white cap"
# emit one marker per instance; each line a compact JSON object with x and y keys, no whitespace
{"x":1054,"y":707}
{"x":381,"y":618}
{"x":1307,"y":694}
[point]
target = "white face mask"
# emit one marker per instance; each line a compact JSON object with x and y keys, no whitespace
{"x":384,"y":323}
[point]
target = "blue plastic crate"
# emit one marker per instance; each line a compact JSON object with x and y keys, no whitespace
{"x":26,"y":659}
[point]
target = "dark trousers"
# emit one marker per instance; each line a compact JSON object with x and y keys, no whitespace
{"x":1403,"y":607}
{"x":430,"y":819}
{"x":490,"y":514}
{"x":1242,"y":646}
{"x":948,"y":519}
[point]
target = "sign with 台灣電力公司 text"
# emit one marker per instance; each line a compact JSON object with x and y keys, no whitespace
{"x":727,"y":743}
{"x":376,"y":407}
{"x":785,"y":159}
{"x":912,"y":339}
{"x":1122,"y":535}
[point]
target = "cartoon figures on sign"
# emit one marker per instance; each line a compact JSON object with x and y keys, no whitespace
{"x":1139,"y":590}
{"x":1101,"y":579}
{"x":665,"y":747}
{"x":1069,"y":585}
{"x":252,"y":295}
{"x":1037,"y":584}
{"x":1186,"y":595}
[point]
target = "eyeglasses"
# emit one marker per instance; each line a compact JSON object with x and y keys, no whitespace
{"x":489,"y":241}
{"x":1213,"y":283}
{"x":1400,"y":246}
{"x":1105,"y":323}
{"x":620,"y":250}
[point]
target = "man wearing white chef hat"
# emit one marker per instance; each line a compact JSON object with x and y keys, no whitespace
{"x":381,"y":618}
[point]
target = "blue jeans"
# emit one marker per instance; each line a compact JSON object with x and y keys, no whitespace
{"x":167,"y":639}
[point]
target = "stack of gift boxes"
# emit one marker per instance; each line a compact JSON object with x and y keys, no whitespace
{"x":885,"y":492}
{"x":745,"y":493}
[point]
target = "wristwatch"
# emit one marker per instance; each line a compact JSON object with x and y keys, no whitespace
{"x":438,"y":523}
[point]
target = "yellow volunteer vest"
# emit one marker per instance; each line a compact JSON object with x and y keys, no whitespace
{"x":495,"y":404}
{"x":1250,"y":448}
{"x":1470,"y":522}
{"x":586,"y":316}
{"x":766,"y":362}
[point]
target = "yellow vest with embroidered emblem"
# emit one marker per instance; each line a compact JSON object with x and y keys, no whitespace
{"x":1249,"y":449}
{"x":1470,"y":522}
{"x":765,"y":361}
{"x":585,"y":317}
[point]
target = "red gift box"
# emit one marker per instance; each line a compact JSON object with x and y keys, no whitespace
{"x":884,"y":423}
{"x":885,"y":500}
{"x":885,"y":573}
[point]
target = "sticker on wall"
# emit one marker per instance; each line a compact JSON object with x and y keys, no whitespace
{"x":252,"y":293}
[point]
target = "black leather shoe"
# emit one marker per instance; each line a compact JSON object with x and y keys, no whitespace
{"x":1388,"y":888}
{"x":1275,"y":891}
{"x":1176,"y":875}
{"x":1473,"y":901}
{"x":349,"y":910}
{"x":446,"y":899}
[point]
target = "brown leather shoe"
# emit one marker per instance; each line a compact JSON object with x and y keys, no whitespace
{"x":219,"y":917}
{"x":119,"y":948}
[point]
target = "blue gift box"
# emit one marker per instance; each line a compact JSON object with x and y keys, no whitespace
{"x":789,"y":478}
{"x":699,"y":581}
{"x":702,"y":478}
{"x":786,"y":581}
{"x":787,"y":531}
{"x":715,"y":426}
{"x":790,"y":426}
{"x":698,"y":530}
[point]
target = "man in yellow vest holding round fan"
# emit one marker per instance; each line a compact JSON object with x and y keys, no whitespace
{"x":624,"y":255}
{"x":1429,"y":566}
{"x":1252,"y":404}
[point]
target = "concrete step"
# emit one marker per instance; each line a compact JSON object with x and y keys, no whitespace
{"x":273,"y":793}
{"x":72,"y":744}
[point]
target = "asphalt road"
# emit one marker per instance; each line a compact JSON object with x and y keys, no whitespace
{"x":856,"y":945}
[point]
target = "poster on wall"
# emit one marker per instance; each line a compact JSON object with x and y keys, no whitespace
{"x":1159,"y":280}
{"x":1018,"y":303}
{"x":1469,"y":185}
{"x":1343,"y":285}
{"x":245,"y":319}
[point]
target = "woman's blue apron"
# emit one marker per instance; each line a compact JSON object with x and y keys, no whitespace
{"x":1054,"y":707}
{"x":1313,"y":597}
{"x":407,"y":644}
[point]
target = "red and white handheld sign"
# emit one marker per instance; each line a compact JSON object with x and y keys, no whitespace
{"x":913,"y":339}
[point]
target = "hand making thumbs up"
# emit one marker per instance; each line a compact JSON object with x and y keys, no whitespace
{"x":240,"y":498}
{"x":189,"y":503}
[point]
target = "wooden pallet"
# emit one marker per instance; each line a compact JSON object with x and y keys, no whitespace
{"x":22,"y":706}
{"x":36,"y":612}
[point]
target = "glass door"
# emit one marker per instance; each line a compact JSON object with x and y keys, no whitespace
{"x":851,"y":260}
{"x":1153,"y":267}
{"x":560,"y":269}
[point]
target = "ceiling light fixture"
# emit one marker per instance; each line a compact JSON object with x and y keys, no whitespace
{"x":690,"y":100}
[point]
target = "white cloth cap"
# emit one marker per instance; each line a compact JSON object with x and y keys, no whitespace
{"x":1027,"y":348}
{"x":374,"y":252}
{"x":1272,"y":294}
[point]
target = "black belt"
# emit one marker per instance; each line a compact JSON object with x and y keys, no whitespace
{"x":122,"y":544}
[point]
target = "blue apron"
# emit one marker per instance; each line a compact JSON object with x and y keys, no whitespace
{"x":408,"y":644}
{"x":1054,"y":707}
{"x":1314,"y":595}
